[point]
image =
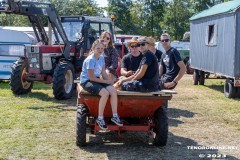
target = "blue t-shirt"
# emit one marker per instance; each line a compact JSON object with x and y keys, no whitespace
{"x":91,"y":63}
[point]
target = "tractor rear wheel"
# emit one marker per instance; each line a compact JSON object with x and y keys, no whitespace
{"x":161,"y":126}
{"x":81,"y":125}
{"x":63,"y":80}
{"x":229,"y":89}
{"x":18,"y":83}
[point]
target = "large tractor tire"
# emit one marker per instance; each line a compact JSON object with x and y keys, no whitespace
{"x":195,"y":77}
{"x":63,"y":80}
{"x":229,"y":89}
{"x":81,"y":125}
{"x":161,"y":126}
{"x":201,"y":78}
{"x":18,"y":83}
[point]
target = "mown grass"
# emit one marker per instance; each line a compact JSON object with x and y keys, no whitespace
{"x":36,"y":126}
{"x":209,"y":101}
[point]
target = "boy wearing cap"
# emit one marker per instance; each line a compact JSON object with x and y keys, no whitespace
{"x":146,"y":77}
{"x":131,"y":61}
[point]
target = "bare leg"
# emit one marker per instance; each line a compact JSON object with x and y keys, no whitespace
{"x":103,"y":101}
{"x":113,"y":98}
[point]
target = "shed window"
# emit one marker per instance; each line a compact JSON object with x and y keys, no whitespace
{"x":211,"y":35}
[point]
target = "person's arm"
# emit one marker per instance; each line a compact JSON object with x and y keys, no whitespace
{"x":126,"y":73}
{"x":160,"y":70}
{"x":181,"y":72}
{"x":98,"y":80}
{"x":114,"y":60}
{"x":141,"y":72}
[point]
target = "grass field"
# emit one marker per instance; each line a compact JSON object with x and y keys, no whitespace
{"x":36,"y":126}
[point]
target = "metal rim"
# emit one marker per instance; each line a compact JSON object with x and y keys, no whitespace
{"x":69,"y":81}
{"x":25,"y":84}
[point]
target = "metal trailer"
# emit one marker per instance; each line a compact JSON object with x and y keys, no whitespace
{"x":138,"y":111}
{"x":215,"y":34}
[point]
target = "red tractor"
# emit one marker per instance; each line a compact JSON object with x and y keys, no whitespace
{"x":58,"y":63}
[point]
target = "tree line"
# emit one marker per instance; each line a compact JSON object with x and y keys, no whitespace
{"x":142,"y":17}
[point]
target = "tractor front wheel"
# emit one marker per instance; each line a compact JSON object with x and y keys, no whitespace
{"x":63,"y":80}
{"x":18,"y":83}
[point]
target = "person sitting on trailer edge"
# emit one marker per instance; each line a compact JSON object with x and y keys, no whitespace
{"x":172,"y":67}
{"x":131,"y":61}
{"x":146,"y":77}
{"x":93,"y":67}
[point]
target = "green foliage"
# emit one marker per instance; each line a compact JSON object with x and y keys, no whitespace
{"x":76,"y":7}
{"x":176,"y":18}
{"x":143,"y":17}
{"x":121,"y":10}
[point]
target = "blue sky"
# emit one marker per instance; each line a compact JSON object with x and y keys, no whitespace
{"x":102,"y":3}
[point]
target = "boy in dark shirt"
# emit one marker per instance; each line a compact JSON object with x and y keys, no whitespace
{"x":131,"y":61}
{"x":172,"y":68}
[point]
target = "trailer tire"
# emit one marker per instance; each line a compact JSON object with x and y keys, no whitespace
{"x":238,"y":92}
{"x":188,"y":68}
{"x":63,"y":80}
{"x":81,"y":125}
{"x":201,"y":78}
{"x":195,"y":77}
{"x":161,"y":126}
{"x":229,"y":89}
{"x":18,"y":83}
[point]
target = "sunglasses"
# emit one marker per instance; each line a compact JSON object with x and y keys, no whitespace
{"x":108,"y":38}
{"x":141,"y":44}
{"x":134,"y":46}
{"x":165,"y":40}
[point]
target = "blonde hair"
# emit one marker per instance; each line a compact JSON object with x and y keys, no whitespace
{"x":166,"y":34}
{"x":95,"y":43}
{"x":102,"y":36}
{"x":151,"y":41}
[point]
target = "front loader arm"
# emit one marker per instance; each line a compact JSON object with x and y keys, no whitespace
{"x":34,"y":10}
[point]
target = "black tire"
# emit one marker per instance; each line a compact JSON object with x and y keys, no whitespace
{"x":161,"y":126}
{"x":201,"y":78}
{"x":237,"y":92}
{"x":188,"y":68}
{"x":195,"y":77}
{"x":18,"y":83}
{"x":229,"y":89}
{"x":63,"y":80}
{"x":81,"y":125}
